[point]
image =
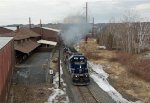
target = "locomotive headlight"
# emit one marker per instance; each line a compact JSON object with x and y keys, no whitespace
{"x":76,"y":76}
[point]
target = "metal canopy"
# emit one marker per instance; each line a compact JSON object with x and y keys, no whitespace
{"x":47,"y":42}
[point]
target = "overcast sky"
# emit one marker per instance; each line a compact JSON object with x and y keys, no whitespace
{"x":54,"y":11}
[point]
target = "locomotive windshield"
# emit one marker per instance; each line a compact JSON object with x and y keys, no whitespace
{"x":79,"y":60}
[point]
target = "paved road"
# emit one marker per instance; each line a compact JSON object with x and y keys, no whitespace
{"x":34,"y":69}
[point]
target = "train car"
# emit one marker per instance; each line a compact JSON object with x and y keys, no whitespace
{"x":77,"y":66}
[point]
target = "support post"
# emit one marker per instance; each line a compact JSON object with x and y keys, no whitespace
{"x":59,"y":61}
{"x":93,"y":28}
{"x":86,"y":12}
{"x":41,"y":30}
{"x":29,"y":23}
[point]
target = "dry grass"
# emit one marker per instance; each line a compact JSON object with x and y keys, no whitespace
{"x":93,"y":56}
{"x":135,"y":64}
{"x":117,"y":66}
{"x":140,"y":67}
{"x":114,"y":59}
{"x":89,"y":48}
{"x":123,"y":57}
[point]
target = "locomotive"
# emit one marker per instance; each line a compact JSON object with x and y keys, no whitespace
{"x":77,"y":66}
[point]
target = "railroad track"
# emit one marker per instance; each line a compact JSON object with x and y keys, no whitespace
{"x":87,"y":95}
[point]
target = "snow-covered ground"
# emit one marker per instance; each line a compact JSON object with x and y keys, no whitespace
{"x":100,"y":77}
{"x":56,"y":92}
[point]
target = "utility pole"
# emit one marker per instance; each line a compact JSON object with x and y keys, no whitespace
{"x":41,"y":30}
{"x":59,"y":59}
{"x":40,"y":23}
{"x":29,"y":23}
{"x":86,"y":12}
{"x":86,"y":20}
{"x":93,"y":28}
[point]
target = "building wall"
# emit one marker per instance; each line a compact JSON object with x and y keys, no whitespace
{"x":6,"y":70}
{"x":46,"y":34}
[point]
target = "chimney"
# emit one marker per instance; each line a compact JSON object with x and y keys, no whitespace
{"x":41,"y":30}
{"x":93,"y":28}
{"x":40,"y":23}
{"x":29,"y":23}
{"x":17,"y":28}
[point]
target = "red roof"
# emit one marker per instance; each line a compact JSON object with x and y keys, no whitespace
{"x":47,"y":34}
{"x":26,"y":31}
{"x":5,"y":30}
{"x":26,"y":47}
{"x":22,"y":33}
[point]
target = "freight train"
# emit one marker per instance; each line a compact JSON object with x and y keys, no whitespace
{"x":77,"y":66}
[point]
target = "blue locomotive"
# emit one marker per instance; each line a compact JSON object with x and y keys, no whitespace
{"x":77,"y":65}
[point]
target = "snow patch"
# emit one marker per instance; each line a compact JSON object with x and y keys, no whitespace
{"x":100,"y":77}
{"x":56,"y":92}
{"x":101,"y":47}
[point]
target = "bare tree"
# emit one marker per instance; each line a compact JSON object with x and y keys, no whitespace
{"x":129,"y":35}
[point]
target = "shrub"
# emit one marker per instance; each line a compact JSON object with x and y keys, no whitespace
{"x":135,"y":64}
{"x":93,"y":56}
{"x":123,"y":57}
{"x":114,"y":59}
{"x":140,"y":67}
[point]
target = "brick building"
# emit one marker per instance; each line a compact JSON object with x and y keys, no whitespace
{"x":25,"y":41}
{"x":47,"y":33}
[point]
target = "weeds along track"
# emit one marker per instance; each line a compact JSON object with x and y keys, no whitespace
{"x":87,"y":95}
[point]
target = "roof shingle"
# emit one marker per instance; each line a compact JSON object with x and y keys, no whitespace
{"x":27,"y":46}
{"x":22,"y":33}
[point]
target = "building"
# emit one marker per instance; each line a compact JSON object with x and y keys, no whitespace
{"x":5,"y":30}
{"x":6,"y":66}
{"x":11,"y":28}
{"x":25,"y":41}
{"x":47,"y":33}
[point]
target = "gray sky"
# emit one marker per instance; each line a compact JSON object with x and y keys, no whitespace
{"x":54,"y":11}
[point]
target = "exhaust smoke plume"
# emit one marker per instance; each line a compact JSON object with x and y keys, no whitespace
{"x":74,"y":29}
